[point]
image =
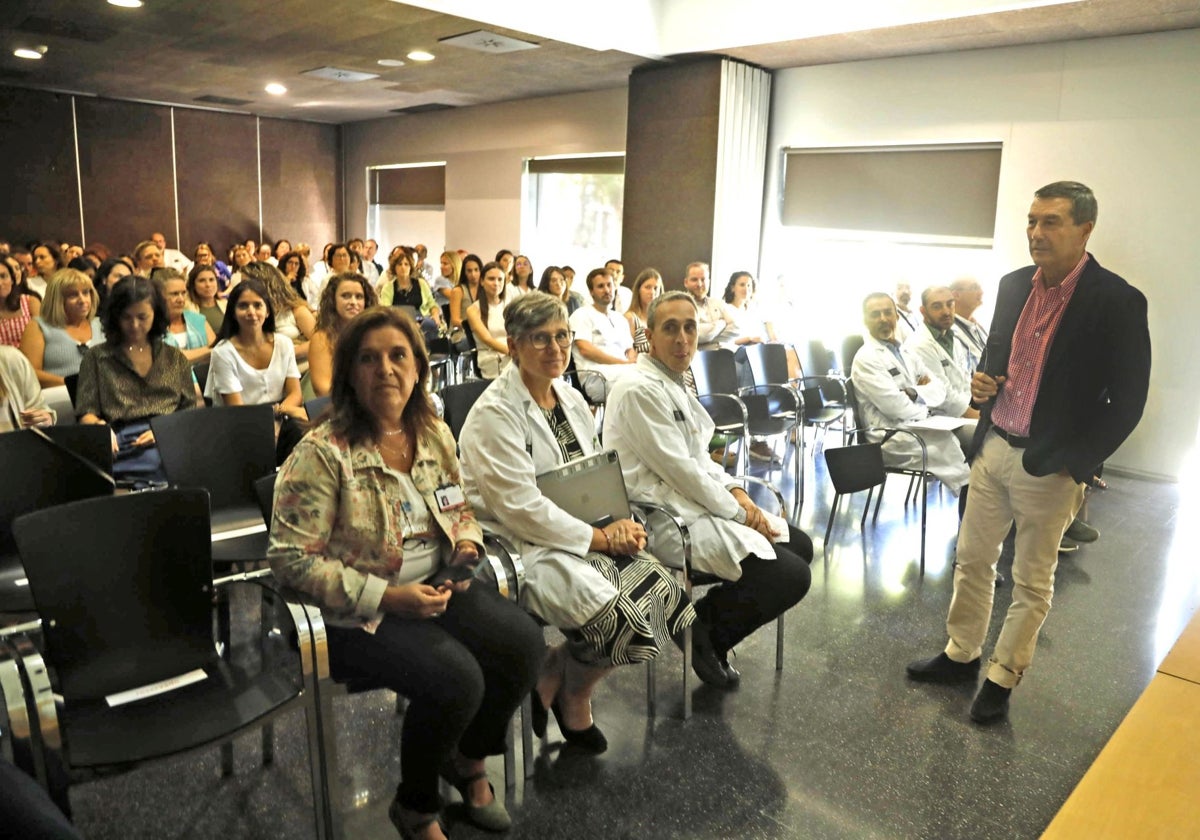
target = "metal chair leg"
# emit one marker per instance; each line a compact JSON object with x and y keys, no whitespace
{"x":779,"y":643}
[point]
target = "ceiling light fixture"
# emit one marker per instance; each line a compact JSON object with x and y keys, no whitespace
{"x":275,"y":89}
{"x":126,"y":4}
{"x":390,"y":62}
{"x":421,"y":55}
{"x":32,"y":53}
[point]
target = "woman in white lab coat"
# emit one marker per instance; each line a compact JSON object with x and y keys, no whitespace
{"x":615,"y":604}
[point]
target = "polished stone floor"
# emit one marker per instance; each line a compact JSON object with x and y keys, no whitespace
{"x":837,"y":745}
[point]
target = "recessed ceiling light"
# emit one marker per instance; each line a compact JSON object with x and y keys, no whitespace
{"x":32,"y":53}
{"x":275,"y":89}
{"x":421,"y":55}
{"x":390,"y":62}
{"x":126,"y":4}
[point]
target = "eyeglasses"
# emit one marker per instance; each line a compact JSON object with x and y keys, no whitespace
{"x":541,"y":340}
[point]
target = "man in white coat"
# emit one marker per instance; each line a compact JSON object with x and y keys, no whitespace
{"x":602,"y":339}
{"x":894,"y":389}
{"x":662,"y":433}
{"x":937,"y":342}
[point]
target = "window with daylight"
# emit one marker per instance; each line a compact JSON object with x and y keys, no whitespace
{"x":571,"y":213}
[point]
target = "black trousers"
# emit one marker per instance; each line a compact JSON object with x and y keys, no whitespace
{"x":464,"y":674}
{"x":767,"y":588}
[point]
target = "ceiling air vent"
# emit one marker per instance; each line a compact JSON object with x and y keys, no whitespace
{"x":337,"y":74}
{"x":423,"y":109}
{"x":213,"y":99}
{"x":488,"y":42}
{"x":34,"y":25}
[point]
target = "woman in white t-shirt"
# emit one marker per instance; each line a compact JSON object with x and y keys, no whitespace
{"x":750,"y":324}
{"x":252,"y":364}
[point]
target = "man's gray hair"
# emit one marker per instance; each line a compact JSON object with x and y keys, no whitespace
{"x":964,"y":284}
{"x":530,"y":311}
{"x":652,"y":311}
{"x":1083,"y":201}
{"x":928,"y":290}
{"x":875,"y":295}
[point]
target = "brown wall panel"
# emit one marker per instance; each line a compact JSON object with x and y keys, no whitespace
{"x":37,"y":167}
{"x":670,"y":167}
{"x":301,"y":182}
{"x":125,"y":168}
{"x":216,"y":167}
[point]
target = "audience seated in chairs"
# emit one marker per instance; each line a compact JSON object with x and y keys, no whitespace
{"x":400,"y":287}
{"x":254,"y":364}
{"x":359,"y":526}
{"x":134,"y":376}
{"x":895,"y":388}
{"x":187,"y":330}
{"x":486,"y":319}
{"x":203,"y":289}
{"x":293,"y":318}
{"x":18,"y":305}
{"x":603,"y":342}
{"x":609,"y":598}
{"x":345,"y":296}
{"x":661,"y":433}
{"x":21,"y":401}
{"x":554,"y":283}
{"x":54,"y":341}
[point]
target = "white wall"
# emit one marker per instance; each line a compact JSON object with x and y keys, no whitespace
{"x":1120,"y":114}
{"x":484,"y":148}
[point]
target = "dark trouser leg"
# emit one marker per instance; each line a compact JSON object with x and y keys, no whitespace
{"x":445,"y":681}
{"x":766,"y":589}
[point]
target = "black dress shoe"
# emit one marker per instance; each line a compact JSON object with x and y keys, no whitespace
{"x":942,"y":669}
{"x":991,"y":703}
{"x":705,"y":661}
{"x":590,"y":739}
{"x":731,"y":674}
{"x":538,"y":716}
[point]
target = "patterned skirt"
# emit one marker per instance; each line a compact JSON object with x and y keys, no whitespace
{"x":650,"y":609}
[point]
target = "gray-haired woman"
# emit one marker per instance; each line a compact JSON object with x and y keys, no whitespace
{"x":615,"y":604}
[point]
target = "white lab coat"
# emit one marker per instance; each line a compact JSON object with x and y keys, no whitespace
{"x":661,"y":433}
{"x":949,"y":370}
{"x":505,"y":444}
{"x":880,"y":379}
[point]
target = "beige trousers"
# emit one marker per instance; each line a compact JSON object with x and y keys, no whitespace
{"x":1003,"y":492}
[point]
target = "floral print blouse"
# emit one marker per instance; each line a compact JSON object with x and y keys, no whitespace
{"x":337,"y":527}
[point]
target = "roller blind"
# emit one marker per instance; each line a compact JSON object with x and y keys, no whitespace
{"x":936,"y":191}
{"x":602,"y":165}
{"x":413,"y":186}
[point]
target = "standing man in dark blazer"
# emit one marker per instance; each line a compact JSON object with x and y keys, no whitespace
{"x":1061,"y":385}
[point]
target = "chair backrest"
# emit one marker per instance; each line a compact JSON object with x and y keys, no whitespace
{"x":457,"y":401}
{"x":316,"y":407}
{"x":715,"y":372}
{"x":39,"y":473}
{"x":200,"y":370}
{"x":860,"y":433}
{"x":124,"y":588}
{"x":92,"y":443}
{"x":220,"y":449}
{"x":768,"y":363}
{"x":71,"y":380}
{"x":851,"y":344}
{"x":855,"y":468}
{"x":264,"y":489}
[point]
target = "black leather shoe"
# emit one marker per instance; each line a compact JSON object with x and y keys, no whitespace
{"x":590,"y":739}
{"x":991,"y":703}
{"x":731,"y":674}
{"x":705,"y":661}
{"x":942,"y":669}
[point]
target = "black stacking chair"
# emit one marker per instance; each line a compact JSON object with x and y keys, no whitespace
{"x":125,"y":597}
{"x":224,"y":450}
{"x":38,"y":473}
{"x":71,"y":380}
{"x":822,"y":395}
{"x":918,"y":476}
{"x":92,"y":443}
{"x":457,"y":401}
{"x":315,"y":407}
{"x":853,"y":469}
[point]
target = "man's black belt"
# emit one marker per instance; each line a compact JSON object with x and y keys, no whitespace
{"x":1013,"y":440}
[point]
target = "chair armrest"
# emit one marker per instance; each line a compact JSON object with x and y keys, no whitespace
{"x":501,"y":563}
{"x":716,"y":400}
{"x":891,"y":431}
{"x":646,"y":510}
{"x":39,"y":704}
{"x":749,"y":479}
{"x":781,"y":392}
{"x":15,"y":726}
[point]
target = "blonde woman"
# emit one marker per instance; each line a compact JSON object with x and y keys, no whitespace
{"x":345,"y":296}
{"x":646,"y":288}
{"x":54,"y":342}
